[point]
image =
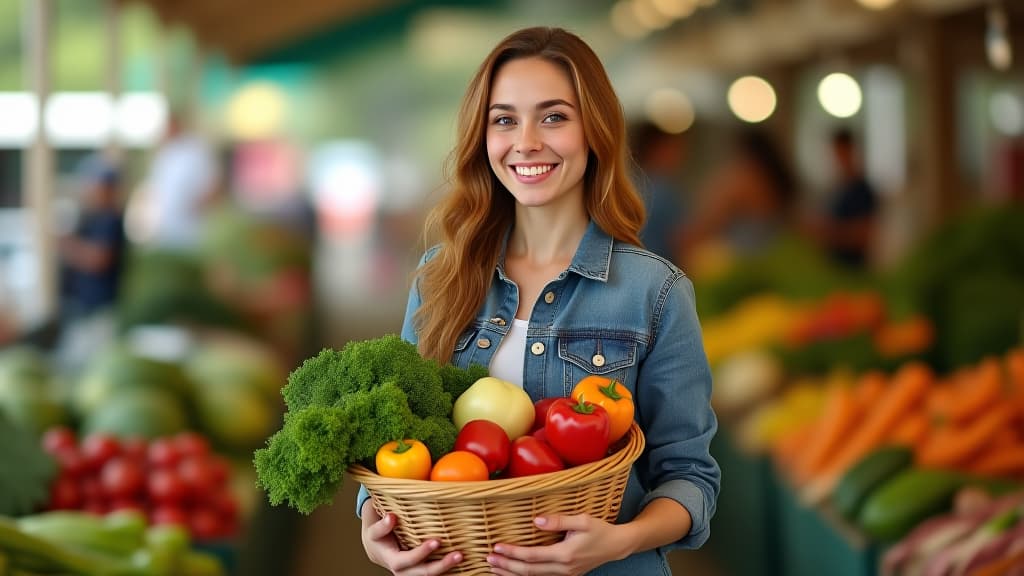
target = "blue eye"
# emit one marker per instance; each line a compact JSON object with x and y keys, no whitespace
{"x":555,"y":117}
{"x":503,"y":121}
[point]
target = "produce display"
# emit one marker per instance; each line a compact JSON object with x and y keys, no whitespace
{"x":86,"y":545}
{"x":170,"y":480}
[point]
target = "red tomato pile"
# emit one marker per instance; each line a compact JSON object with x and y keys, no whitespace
{"x":173,"y":480}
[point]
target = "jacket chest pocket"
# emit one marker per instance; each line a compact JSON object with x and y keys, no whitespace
{"x":613,"y":357}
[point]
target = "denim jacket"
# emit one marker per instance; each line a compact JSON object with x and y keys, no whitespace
{"x":622,"y":312}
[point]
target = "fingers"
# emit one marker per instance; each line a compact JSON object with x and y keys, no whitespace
{"x":381,"y":528}
{"x":558,"y":523}
{"x":413,"y":562}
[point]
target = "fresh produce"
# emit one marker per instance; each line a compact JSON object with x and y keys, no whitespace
{"x":172,"y":479}
{"x":531,"y":455}
{"x":407,"y":459}
{"x":488,"y":441}
{"x":960,"y":542}
{"x":237,"y":375}
{"x":459,"y":466}
{"x":578,"y":431}
{"x":26,"y":470}
{"x":540,"y":412}
{"x":501,"y":402}
{"x":342,"y":406}
{"x":29,"y":395}
{"x":611,"y":395}
{"x":87,"y":545}
{"x":867,"y":475}
{"x":893,"y":509}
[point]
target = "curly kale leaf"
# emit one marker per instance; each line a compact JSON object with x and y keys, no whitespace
{"x":328,"y":377}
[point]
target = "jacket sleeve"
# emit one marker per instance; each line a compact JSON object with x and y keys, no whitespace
{"x":674,"y":410}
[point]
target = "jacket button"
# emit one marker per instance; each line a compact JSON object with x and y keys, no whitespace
{"x":598,"y":360}
{"x":549,"y":297}
{"x":483,"y":343}
{"x":498,"y":321}
{"x":537,"y":348}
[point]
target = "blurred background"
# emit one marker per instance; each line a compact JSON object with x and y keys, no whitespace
{"x":196,"y":195}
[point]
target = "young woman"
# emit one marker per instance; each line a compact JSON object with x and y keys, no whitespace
{"x":539,"y":275}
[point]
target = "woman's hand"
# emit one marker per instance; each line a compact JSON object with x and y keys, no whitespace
{"x":382,"y":548}
{"x":588,"y":544}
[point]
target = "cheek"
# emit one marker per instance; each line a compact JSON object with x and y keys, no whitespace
{"x":496,"y":148}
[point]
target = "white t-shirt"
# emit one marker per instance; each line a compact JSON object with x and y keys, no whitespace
{"x":507,"y":362}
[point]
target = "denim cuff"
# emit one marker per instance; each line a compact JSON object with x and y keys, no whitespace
{"x":361,"y":499}
{"x":689,"y":496}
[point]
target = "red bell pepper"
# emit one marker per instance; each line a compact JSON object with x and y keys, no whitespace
{"x":578,"y":431}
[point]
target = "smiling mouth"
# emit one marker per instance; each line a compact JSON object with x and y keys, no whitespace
{"x":536,"y":170}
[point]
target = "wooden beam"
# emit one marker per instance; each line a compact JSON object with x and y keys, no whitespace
{"x":269,"y":24}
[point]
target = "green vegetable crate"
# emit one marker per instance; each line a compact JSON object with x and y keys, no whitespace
{"x":815,"y":541}
{"x":745,"y":536}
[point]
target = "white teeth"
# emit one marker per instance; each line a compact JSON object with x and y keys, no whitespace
{"x":533,"y":170}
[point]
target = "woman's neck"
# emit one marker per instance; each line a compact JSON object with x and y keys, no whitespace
{"x":544,"y":237}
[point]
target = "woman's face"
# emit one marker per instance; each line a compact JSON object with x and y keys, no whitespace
{"x":535,"y":138}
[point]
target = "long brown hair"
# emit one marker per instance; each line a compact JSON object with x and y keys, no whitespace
{"x":472,"y":220}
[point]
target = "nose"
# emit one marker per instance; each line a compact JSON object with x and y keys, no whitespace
{"x":529,"y":140}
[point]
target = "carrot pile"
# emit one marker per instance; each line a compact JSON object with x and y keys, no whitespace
{"x":971,"y":421}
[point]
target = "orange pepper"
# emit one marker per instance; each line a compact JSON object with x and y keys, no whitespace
{"x":611,"y":395}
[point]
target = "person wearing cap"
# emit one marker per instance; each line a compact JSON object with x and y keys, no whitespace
{"x":92,"y":255}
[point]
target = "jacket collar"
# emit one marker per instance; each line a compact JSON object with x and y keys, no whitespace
{"x":593,"y":257}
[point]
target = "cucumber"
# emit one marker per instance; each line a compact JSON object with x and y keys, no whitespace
{"x":867,"y":475}
{"x":906,"y":499}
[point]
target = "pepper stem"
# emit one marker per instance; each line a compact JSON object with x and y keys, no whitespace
{"x":611,"y":390}
{"x":402,"y":446}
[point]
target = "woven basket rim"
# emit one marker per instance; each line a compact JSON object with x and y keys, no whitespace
{"x":510,"y":488}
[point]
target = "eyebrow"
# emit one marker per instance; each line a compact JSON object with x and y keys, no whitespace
{"x":540,"y":105}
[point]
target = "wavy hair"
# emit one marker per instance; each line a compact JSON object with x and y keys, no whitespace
{"x":472,"y":220}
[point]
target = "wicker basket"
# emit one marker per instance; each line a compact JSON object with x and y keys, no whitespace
{"x":472,"y":517}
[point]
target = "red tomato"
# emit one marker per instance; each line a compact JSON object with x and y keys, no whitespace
{"x":578,"y":431}
{"x":71,"y":462}
{"x":192,"y":444}
{"x":122,"y":478}
{"x":127,"y":504}
{"x":205,"y":524}
{"x":220,"y":469}
{"x":199,"y":477}
{"x":540,"y":412}
{"x":531,"y":455}
{"x":99,"y":448}
{"x":168,"y":515}
{"x":95,"y":507}
{"x":90,"y":488}
{"x":57,"y":439}
{"x":135,"y":448}
{"x":488,"y":441}
{"x":459,"y":466}
{"x":164,"y":486}
{"x":65,"y":493}
{"x":163,"y":452}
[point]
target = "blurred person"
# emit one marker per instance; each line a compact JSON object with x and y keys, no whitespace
{"x":745,"y":203}
{"x":181,"y":185}
{"x":847,"y":227}
{"x":92,"y":255}
{"x":540,"y":244}
{"x":659,"y":156}
{"x":91,"y":259}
